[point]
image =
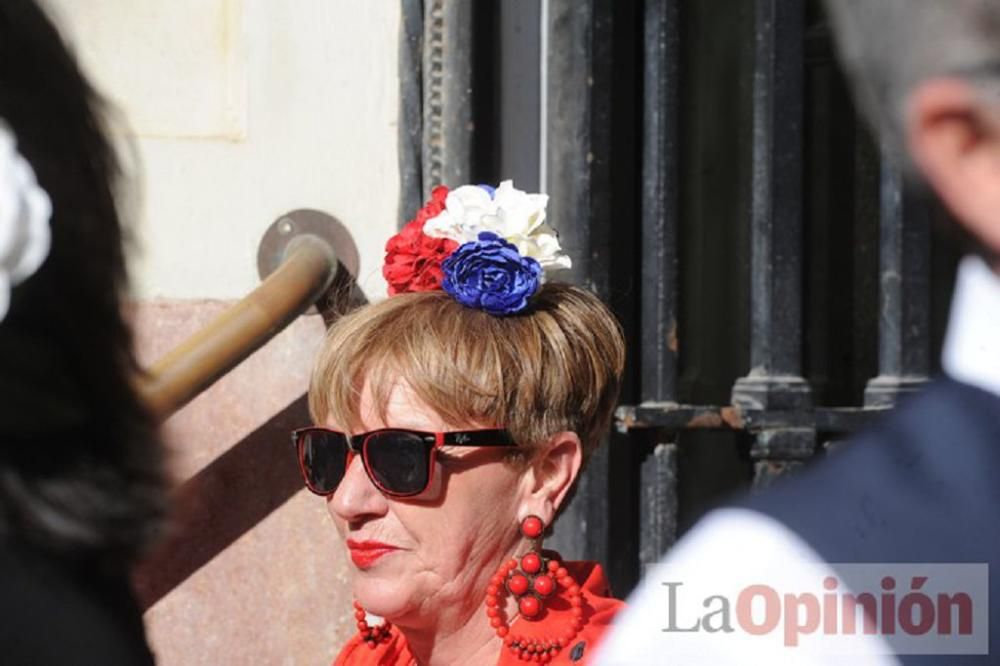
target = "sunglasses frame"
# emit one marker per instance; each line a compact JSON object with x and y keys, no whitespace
{"x":358,"y":445}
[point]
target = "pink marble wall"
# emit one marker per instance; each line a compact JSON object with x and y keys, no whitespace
{"x":252,"y":572}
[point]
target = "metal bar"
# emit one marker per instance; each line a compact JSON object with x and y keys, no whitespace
{"x":411,"y":187}
{"x":675,"y":418}
{"x":577,"y":129}
{"x":658,"y":505}
{"x":567,"y":131}
{"x":904,"y":291}
{"x":447,"y":93}
{"x":866,"y":248}
{"x":660,"y":212}
{"x":519,"y":91}
{"x":543,"y":97}
{"x":203,"y":358}
{"x":774,"y":380}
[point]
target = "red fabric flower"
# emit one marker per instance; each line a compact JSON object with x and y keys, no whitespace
{"x":412,"y":258}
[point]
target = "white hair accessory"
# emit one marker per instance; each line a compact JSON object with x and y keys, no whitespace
{"x":25,"y":211}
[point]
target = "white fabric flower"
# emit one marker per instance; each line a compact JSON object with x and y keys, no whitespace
{"x":514,"y":215}
{"x":25,"y":211}
{"x":465,"y":209}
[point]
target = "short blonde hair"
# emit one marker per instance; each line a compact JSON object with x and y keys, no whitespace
{"x":555,"y":367}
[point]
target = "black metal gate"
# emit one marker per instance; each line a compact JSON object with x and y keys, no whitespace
{"x":778,"y":283}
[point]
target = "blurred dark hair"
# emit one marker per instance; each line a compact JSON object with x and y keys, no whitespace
{"x":80,"y":458}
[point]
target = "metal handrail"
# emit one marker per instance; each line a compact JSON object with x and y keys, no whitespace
{"x":306,"y":272}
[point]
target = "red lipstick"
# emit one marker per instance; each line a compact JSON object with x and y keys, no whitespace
{"x":364,"y":554}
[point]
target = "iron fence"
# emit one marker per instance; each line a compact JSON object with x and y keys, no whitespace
{"x":779,"y":282}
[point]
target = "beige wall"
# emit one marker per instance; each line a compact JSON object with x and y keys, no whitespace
{"x":239,"y":111}
{"x":243,"y":110}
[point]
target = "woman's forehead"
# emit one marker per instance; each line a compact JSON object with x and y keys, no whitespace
{"x":390,"y":401}
{"x":394,"y":403}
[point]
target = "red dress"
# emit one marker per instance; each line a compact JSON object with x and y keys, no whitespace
{"x":599,"y":609}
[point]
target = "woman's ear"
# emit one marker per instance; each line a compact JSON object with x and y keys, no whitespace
{"x":550,"y":476}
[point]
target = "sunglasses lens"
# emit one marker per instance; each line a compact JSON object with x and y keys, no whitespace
{"x":323,"y":457}
{"x":399,"y":462}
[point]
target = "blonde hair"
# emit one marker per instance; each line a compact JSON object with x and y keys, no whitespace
{"x":553,"y":368}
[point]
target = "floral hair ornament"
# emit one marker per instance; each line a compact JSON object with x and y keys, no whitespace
{"x":490,"y":248}
{"x":25,"y":211}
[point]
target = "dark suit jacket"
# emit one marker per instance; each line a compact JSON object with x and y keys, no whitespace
{"x":923,"y":485}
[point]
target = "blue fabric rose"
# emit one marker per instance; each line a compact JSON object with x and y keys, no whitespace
{"x":491,"y":275}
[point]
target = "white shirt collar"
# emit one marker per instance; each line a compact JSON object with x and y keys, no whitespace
{"x":972,"y":346}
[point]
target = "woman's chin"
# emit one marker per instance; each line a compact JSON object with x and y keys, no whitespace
{"x":382,"y":597}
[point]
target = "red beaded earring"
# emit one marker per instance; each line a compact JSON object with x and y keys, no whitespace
{"x":372,"y":636}
{"x":532,"y":584}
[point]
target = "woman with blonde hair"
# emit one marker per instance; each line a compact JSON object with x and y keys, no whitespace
{"x":453,"y":422}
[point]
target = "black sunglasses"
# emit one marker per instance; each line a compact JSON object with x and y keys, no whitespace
{"x":399,"y":462}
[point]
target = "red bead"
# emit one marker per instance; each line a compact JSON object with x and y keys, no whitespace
{"x":502,"y":631}
{"x":574,"y":590}
{"x":553,"y":566}
{"x":359,"y":615}
{"x":529,"y":606}
{"x":576,"y":611}
{"x":492,"y":590}
{"x":517,"y":584}
{"x":362,"y":625}
{"x":531,"y":563}
{"x":532,"y":527}
{"x":491,"y":602}
{"x":492,"y":612}
{"x":544,"y":585}
{"x":561,"y":572}
{"x":566,"y":582}
{"x":496,"y":623}
{"x":511,"y":563}
{"x":496,"y":581}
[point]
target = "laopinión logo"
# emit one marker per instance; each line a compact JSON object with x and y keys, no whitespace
{"x":907,"y":608}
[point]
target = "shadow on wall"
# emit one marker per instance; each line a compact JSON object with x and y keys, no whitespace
{"x":224,"y":501}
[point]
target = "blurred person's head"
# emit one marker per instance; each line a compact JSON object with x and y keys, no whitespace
{"x":79,"y":455}
{"x":927,"y":75}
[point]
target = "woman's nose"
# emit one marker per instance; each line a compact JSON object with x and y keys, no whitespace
{"x":356,"y":498}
